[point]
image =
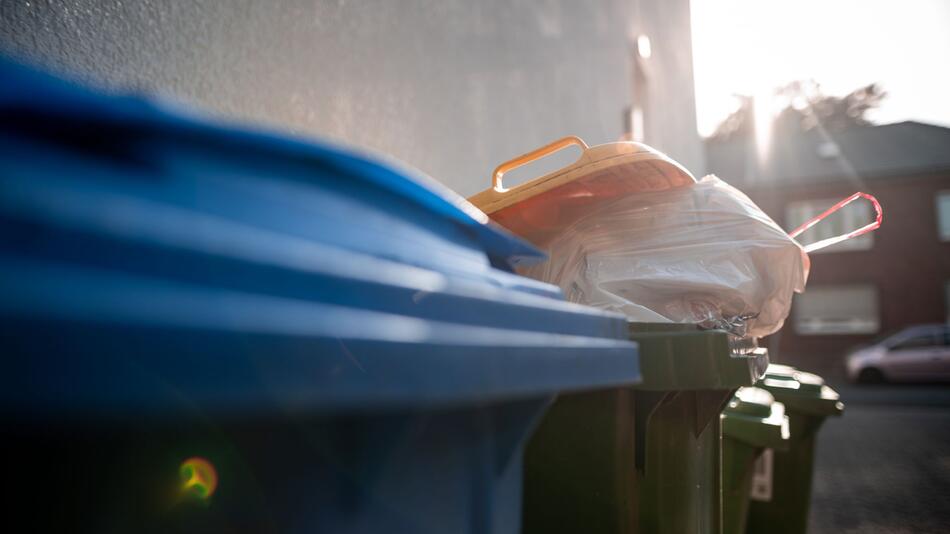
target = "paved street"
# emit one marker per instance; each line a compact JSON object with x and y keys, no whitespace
{"x":885,"y":466}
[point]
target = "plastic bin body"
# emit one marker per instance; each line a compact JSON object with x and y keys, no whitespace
{"x":738,"y":459}
{"x":580,"y":465}
{"x":419,"y":471}
{"x":681,"y":480}
{"x":751,"y":422}
{"x":347,"y":345}
{"x":694,"y":373}
{"x":808,"y":402}
{"x":644,"y":458}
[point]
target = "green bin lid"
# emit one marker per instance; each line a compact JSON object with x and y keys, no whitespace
{"x":751,"y":401}
{"x":781,"y":370}
{"x":753,"y":416}
{"x":676,"y":357}
{"x":801,"y":392}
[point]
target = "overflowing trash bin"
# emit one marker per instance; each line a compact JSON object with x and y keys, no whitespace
{"x":751,"y":423}
{"x":630,"y":230}
{"x":211,"y":329}
{"x":783,"y":502}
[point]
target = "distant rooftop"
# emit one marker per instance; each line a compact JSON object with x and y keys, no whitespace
{"x":888,"y":150}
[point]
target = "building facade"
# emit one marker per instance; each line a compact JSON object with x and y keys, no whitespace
{"x":451,"y":87}
{"x":864,"y":288}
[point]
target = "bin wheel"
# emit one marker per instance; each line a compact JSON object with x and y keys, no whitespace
{"x":871,"y":376}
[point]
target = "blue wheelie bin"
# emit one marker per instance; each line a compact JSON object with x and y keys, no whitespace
{"x":213,"y":329}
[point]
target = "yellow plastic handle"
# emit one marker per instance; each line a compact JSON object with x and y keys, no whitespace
{"x":532,"y":156}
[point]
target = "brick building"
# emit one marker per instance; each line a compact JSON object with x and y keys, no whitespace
{"x":859,"y":289}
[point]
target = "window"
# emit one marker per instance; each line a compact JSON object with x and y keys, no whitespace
{"x":917,"y":342}
{"x":943,"y":215}
{"x":917,"y":337}
{"x":639,"y":112}
{"x":851,"y":217}
{"x":837,"y":310}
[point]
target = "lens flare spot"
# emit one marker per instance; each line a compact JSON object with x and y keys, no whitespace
{"x":198,"y":477}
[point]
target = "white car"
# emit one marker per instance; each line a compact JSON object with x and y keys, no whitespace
{"x":916,"y":354}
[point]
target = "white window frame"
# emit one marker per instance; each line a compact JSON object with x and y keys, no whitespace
{"x":799,"y":211}
{"x":943,"y":218}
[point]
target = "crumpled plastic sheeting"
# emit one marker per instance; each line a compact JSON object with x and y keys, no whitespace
{"x":702,"y":254}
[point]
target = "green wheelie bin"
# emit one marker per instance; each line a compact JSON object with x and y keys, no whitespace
{"x":645,"y":458}
{"x":688,"y":378}
{"x":783,"y":508}
{"x":752,"y":422}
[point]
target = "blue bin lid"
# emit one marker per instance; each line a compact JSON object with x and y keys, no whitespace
{"x":152,"y":261}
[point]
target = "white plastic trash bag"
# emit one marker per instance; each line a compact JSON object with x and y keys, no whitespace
{"x":702,"y":254}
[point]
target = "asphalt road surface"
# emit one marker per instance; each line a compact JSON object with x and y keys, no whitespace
{"x":884,"y":467}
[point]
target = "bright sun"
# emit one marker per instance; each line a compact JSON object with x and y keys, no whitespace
{"x":750,"y":47}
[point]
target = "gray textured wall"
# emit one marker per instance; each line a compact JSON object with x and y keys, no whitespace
{"x":450,"y":86}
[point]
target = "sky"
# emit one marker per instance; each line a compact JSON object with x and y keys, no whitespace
{"x":751,"y":47}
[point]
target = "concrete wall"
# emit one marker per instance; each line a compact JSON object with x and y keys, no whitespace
{"x":452,"y":87}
